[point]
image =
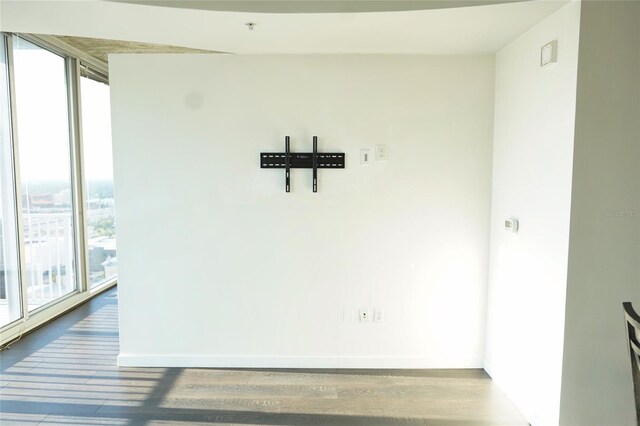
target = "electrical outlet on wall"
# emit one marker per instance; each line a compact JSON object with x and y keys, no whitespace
{"x":381,"y":152}
{"x":378,"y":315}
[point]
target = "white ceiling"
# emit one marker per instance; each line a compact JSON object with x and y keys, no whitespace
{"x":314,"y":6}
{"x":462,"y":30}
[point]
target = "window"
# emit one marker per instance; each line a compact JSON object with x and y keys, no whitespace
{"x":42,"y":111}
{"x":98,"y":174}
{"x":57,"y":221}
{"x":10,"y":300}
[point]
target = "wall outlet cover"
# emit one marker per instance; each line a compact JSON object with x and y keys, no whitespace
{"x":378,"y":315}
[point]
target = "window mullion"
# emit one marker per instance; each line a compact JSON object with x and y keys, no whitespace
{"x":22,"y":271}
{"x":78,"y":183}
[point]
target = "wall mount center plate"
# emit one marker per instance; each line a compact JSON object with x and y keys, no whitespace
{"x":301,"y":160}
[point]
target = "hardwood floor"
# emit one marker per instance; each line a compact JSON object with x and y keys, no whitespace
{"x":65,"y":374}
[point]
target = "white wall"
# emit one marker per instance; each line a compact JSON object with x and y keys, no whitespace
{"x":532,"y":163}
{"x":604,"y":254}
{"x":218,"y":266}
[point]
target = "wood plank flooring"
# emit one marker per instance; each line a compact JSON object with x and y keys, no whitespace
{"x":65,"y":374}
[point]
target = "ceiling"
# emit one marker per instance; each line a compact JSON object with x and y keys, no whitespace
{"x":482,"y":29}
{"x":314,"y":6}
{"x":101,"y":48}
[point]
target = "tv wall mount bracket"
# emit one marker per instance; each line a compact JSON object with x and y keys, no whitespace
{"x":301,"y":160}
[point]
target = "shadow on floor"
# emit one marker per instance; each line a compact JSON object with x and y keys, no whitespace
{"x":65,"y":373}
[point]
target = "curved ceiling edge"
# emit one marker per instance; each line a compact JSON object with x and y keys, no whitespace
{"x":315,"y":6}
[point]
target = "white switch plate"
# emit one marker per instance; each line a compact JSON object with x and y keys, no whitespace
{"x":364,"y":315}
{"x":549,"y":53}
{"x":365,"y":156}
{"x":381,"y":152}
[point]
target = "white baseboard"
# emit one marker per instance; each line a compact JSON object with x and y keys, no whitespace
{"x":508,"y":388}
{"x":243,"y":361}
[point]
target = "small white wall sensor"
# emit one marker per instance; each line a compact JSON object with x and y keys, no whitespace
{"x":511,"y":224}
{"x":549,"y":53}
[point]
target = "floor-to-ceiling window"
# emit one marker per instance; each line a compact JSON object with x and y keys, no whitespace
{"x":42,"y":112}
{"x":57,"y":208}
{"x":98,"y":173}
{"x":10,"y":300}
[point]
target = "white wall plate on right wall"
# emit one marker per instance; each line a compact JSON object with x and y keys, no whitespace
{"x":549,"y":53}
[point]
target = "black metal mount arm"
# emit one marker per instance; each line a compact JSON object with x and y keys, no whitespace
{"x":301,"y":160}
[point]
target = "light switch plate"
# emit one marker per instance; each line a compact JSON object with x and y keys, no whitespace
{"x":549,"y":53}
{"x":365,"y":156}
